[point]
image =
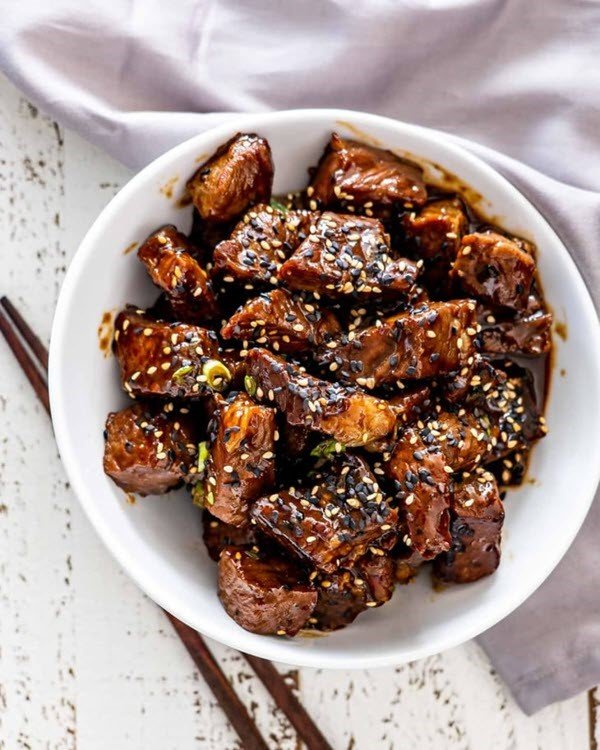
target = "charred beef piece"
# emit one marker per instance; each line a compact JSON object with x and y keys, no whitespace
{"x":529,"y":335}
{"x":432,"y":339}
{"x":477,"y":517}
{"x":494,"y":269}
{"x":342,"y":596}
{"x":164,"y":359}
{"x":259,"y":245}
{"x":241,"y":461}
{"x":437,"y":229}
{"x":348,"y":255}
{"x":334,"y":521}
{"x":283,"y":322}
{"x":237,"y":175}
{"x":264,"y":594}
{"x":217,"y":535}
{"x":148,"y":449}
{"x":421,"y":482}
{"x":352,"y":173}
{"x":169,"y":259}
{"x":350,"y":416}
{"x":407,"y":562}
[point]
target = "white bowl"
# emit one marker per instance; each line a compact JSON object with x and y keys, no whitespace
{"x":158,"y":539}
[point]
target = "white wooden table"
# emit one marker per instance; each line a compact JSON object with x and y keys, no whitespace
{"x":86,"y":660}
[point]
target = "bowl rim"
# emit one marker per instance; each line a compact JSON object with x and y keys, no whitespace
{"x":271,"y":648}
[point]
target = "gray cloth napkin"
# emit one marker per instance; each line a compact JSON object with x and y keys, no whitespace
{"x":519,"y":79}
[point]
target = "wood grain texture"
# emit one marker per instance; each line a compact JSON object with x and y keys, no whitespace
{"x":86,"y":660}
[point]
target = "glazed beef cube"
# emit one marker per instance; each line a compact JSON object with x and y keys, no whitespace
{"x":421,"y":482}
{"x":147,"y":449}
{"x":342,"y":596}
{"x":283,"y":322}
{"x":240,"y":466}
{"x":460,"y":438}
{"x":431,"y":340}
{"x":348,"y":255}
{"x":477,"y":517}
{"x":333,"y":522}
{"x":494,"y":269}
{"x":348,"y":415}
{"x":471,"y":380}
{"x":167,"y":255}
{"x":264,"y":594}
{"x":411,"y":403}
{"x":217,"y":535}
{"x":352,"y":173}
{"x":164,"y":359}
{"x":237,"y":175}
{"x":259,"y":245}
{"x":529,"y":335}
{"x":437,"y":229}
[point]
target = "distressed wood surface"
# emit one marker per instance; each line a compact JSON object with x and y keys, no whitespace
{"x":86,"y":660}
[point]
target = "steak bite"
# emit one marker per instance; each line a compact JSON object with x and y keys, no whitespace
{"x":240,"y":464}
{"x":147,"y":449}
{"x":166,"y":359}
{"x":411,"y":403}
{"x":437,"y":229}
{"x":433,"y":339}
{"x":264,"y":594}
{"x":217,"y":535}
{"x":342,"y":596}
{"x":283,"y":322}
{"x":421,"y":482}
{"x":237,"y":175}
{"x":365,"y":176}
{"x":350,"y":416}
{"x":335,"y":521}
{"x":168,"y":257}
{"x":258,"y":246}
{"x":530,"y":335}
{"x":348,"y":255}
{"x":495,"y":269}
{"x":477,"y":518}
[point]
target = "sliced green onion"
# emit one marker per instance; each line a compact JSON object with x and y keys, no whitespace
{"x":202,"y":456}
{"x":217,"y":374}
{"x":327,"y":449}
{"x":279,"y":206}
{"x":201,"y":497}
{"x":181,"y":372}
{"x":250,"y":385}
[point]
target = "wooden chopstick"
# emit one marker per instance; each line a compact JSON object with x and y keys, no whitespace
{"x":36,"y":346}
{"x":236,"y":712}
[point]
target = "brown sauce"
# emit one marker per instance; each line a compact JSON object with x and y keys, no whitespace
{"x":168,"y":187}
{"x":130,"y":248}
{"x":105,"y":333}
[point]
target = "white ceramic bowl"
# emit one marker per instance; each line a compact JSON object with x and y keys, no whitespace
{"x":158,"y":539}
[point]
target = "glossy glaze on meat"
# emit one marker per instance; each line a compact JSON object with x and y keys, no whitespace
{"x":240,"y":464}
{"x":282,"y":321}
{"x":433,"y":339}
{"x":337,"y":378}
{"x":263,"y":593}
{"x":239,"y":174}
{"x":149,"y":447}
{"x":354,"y":173}
{"x":477,"y":518}
{"x":332,"y":521}
{"x":348,"y":256}
{"x":170,"y":260}
{"x":258,"y":246}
